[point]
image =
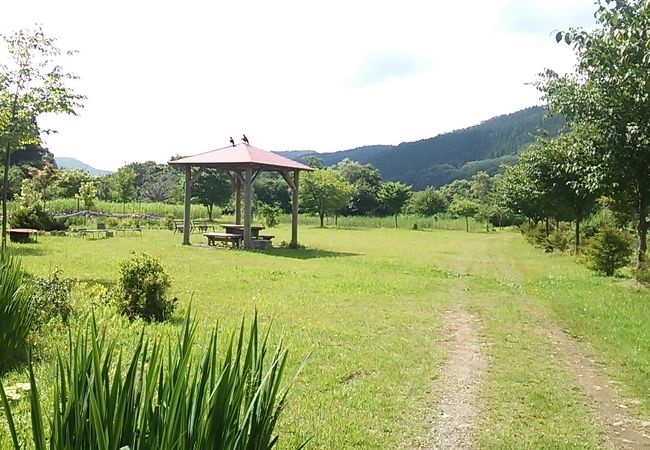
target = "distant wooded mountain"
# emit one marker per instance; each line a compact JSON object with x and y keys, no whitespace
{"x":459,"y":154}
{"x":63,"y":162}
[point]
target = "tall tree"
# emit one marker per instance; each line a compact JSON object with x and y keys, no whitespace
{"x":122,"y":187}
{"x":43,"y":179}
{"x":366,"y":180}
{"x":428,"y":202}
{"x":393,"y":195}
{"x":324,"y":192}
{"x":610,"y":92}
{"x":68,"y":182}
{"x":211,"y":188}
{"x":464,"y":207}
{"x":32,"y":82}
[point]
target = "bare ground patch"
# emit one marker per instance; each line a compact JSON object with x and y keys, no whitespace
{"x":622,"y":430}
{"x":453,"y":417}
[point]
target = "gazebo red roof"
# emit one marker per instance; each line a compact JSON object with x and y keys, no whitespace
{"x":241,"y":155}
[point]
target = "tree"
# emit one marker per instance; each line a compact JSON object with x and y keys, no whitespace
{"x":211,"y":188}
{"x":608,"y":92}
{"x":87,"y":195}
{"x":68,"y":182}
{"x":428,"y":202}
{"x":159,"y":188}
{"x":271,"y":189}
{"x":393,"y":195}
{"x":457,"y":189}
{"x":464,"y":207}
{"x":43,"y":179}
{"x":122,"y":187}
{"x":324,"y":192}
{"x":366,"y":180}
{"x":32,"y":82}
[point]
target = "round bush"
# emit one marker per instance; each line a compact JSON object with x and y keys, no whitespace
{"x":142,"y":288}
{"x":609,"y":250}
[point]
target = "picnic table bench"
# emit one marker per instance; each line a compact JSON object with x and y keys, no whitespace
{"x":23,"y":234}
{"x":214,"y":237}
{"x":133,"y":230}
{"x":200,"y":225}
{"x":83,"y":232}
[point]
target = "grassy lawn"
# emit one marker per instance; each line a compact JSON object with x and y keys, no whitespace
{"x":365,"y":305}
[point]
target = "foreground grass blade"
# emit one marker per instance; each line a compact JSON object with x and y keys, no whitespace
{"x":163,"y":396}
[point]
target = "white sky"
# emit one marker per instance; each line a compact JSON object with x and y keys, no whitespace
{"x":171,"y":77}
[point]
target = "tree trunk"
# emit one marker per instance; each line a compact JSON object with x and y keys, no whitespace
{"x":322,"y":217}
{"x":548,"y":228}
{"x":642,"y":229}
{"x":578,"y":219}
{"x":336,"y":220}
{"x":5,"y":189}
{"x":395,"y":220}
{"x":467,"y":224}
{"x":210,"y":212}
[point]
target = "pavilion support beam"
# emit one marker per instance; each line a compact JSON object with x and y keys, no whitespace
{"x":238,"y":202}
{"x":248,"y":206}
{"x":188,"y":197}
{"x":294,"y":210}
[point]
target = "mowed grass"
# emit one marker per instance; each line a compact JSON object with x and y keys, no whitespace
{"x":365,"y":305}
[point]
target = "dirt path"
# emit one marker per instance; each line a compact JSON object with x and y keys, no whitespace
{"x":452,"y":419}
{"x":622,"y":430}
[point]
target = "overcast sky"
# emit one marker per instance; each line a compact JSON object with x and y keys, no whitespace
{"x":180,"y":77}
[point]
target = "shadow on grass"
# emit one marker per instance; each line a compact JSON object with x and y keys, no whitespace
{"x":26,"y":250}
{"x":305,"y":253}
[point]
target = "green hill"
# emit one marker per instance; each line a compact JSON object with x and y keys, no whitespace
{"x":65,"y":162}
{"x":458,"y":154}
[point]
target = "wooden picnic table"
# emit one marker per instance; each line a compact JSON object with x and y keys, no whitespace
{"x":239,"y":229}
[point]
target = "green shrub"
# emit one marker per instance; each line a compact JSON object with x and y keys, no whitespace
{"x":609,"y":250}
{"x":534,"y":234}
{"x":558,"y":239}
{"x":161,"y":397}
{"x":16,"y":314}
{"x":142,"y":288}
{"x":51,"y":297}
{"x":269,"y":213}
{"x":113,"y":222}
{"x":35,"y":217}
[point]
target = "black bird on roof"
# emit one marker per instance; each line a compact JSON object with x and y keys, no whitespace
{"x":232,"y":141}
{"x":245,"y":139}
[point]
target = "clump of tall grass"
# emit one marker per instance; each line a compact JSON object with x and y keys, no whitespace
{"x":161,"y":397}
{"x":16,"y":313}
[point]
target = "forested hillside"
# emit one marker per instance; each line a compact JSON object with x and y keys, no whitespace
{"x":459,"y":154}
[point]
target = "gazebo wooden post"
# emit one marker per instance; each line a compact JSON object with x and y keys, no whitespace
{"x":248,"y":204}
{"x":237,"y":201}
{"x":188,"y":197}
{"x":294,"y":210}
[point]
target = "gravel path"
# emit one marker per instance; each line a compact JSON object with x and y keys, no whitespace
{"x":453,"y":418}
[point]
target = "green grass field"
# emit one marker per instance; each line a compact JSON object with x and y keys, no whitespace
{"x":366,"y":306}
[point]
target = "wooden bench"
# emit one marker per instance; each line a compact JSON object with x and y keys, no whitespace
{"x":179,"y":224}
{"x":234,"y":239}
{"x":266,"y":237}
{"x":201,"y":225}
{"x":23,"y":234}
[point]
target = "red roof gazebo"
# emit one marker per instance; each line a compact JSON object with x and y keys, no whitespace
{"x":243,"y":163}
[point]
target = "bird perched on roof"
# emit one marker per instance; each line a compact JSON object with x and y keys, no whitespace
{"x":245,"y":139}
{"x":232,"y":141}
